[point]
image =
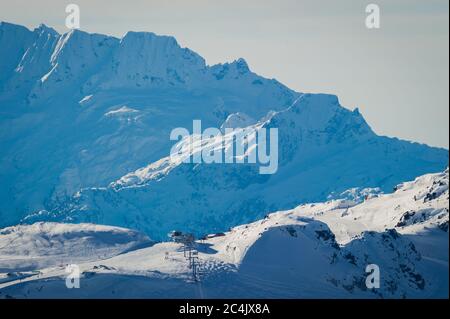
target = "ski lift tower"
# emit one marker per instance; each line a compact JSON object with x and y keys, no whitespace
{"x":188,"y":242}
{"x":189,"y":252}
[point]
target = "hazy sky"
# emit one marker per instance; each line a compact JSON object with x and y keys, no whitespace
{"x":397,"y":75}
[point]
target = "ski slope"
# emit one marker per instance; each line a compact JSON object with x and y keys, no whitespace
{"x":315,"y":250}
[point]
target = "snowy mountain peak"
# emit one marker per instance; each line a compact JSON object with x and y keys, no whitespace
{"x":75,"y":55}
{"x":233,"y":70}
{"x":14,"y":41}
{"x":144,"y":59}
{"x":241,"y":65}
{"x":149,"y":39}
{"x":323,"y":115}
{"x":12,"y":27}
{"x":139,"y":60}
{"x":42,"y":28}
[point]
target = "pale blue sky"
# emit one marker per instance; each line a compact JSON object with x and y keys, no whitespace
{"x":397,"y":75}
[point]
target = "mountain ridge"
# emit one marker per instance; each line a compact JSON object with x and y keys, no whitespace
{"x":149,"y":70}
{"x":80,"y":111}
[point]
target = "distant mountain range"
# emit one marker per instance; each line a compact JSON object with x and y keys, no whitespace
{"x":84,"y":136}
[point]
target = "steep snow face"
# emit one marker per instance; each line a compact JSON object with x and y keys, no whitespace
{"x":144,"y":60}
{"x":75,"y":56}
{"x":69,"y":146}
{"x":14,"y":41}
{"x":315,"y":265}
{"x":35,"y":61}
{"x":49,"y":244}
{"x":316,"y":250}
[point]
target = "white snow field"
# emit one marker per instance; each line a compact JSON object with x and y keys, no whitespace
{"x":316,"y":250}
{"x":40,"y":245}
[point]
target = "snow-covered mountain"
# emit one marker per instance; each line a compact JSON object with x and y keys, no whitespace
{"x":85,"y":121}
{"x":316,"y":250}
{"x":42,"y":245}
{"x":316,"y":158}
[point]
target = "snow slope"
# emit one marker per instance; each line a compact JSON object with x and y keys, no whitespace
{"x":41,"y":245}
{"x":315,"y":250}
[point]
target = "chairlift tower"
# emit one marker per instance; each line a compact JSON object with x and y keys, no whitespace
{"x":189,"y":252}
{"x":195,"y":264}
